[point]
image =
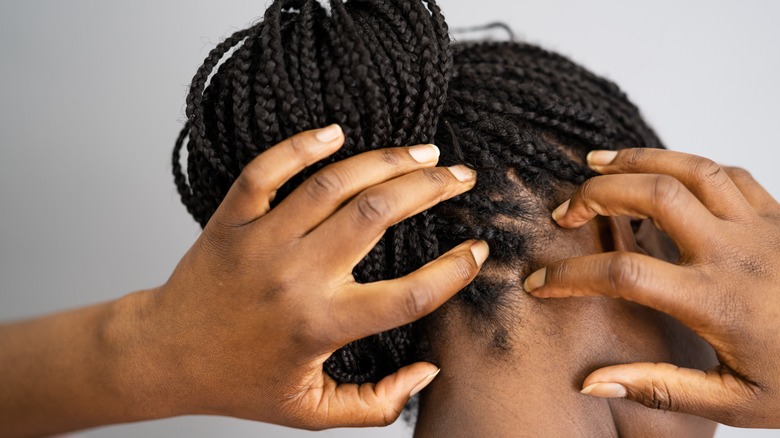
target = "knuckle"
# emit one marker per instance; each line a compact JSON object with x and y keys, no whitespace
{"x":389,"y":156}
{"x":252,"y":179}
{"x":656,"y":395}
{"x":557,"y":273}
{"x":325,"y":185}
{"x":624,"y":272}
{"x":589,"y":196}
{"x":633,"y":157}
{"x":298,"y":145}
{"x":372,"y":208}
{"x":666,"y":191}
{"x":282,"y":281}
{"x":305,"y":333}
{"x":587,"y":189}
{"x":417,"y":302}
{"x":464,"y":267}
{"x":436,"y":177}
{"x":706,"y":170}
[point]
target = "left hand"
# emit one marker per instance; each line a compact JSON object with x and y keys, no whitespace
{"x":725,"y":285}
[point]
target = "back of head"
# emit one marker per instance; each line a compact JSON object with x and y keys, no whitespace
{"x":388,"y":73}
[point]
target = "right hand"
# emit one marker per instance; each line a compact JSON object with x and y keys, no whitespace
{"x":264,"y":296}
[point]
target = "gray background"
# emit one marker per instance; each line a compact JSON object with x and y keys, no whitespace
{"x":92,"y":94}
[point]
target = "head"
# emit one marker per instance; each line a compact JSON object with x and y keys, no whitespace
{"x":389,"y":74}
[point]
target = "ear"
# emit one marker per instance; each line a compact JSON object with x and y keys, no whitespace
{"x":642,"y":237}
{"x":623,"y":238}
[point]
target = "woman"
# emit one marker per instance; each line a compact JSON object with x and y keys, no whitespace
{"x":264,"y":296}
{"x":524,"y":118}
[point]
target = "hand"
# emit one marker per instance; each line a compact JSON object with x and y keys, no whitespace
{"x":725,"y":286}
{"x":264,"y":296}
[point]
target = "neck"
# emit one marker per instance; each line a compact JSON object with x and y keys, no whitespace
{"x":532,"y":388}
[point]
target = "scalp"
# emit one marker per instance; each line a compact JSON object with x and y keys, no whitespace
{"x":387,"y":72}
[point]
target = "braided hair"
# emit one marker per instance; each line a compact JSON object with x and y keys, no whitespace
{"x":388,"y":73}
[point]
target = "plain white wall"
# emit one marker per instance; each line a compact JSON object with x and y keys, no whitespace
{"x":92,"y":94}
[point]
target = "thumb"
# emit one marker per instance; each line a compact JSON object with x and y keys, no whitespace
{"x":717,"y":394}
{"x":378,"y":404}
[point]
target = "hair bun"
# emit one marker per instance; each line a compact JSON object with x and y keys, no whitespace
{"x":378,"y":68}
{"x":383,"y":70}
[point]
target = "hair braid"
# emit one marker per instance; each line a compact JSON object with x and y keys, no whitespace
{"x":387,"y":72}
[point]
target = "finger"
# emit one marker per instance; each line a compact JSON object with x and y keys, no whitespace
{"x":755,"y":194}
{"x":646,"y":280}
{"x":251,"y":194}
{"x":372,"y":404}
{"x":355,"y":228}
{"x":672,"y":207}
{"x":327,"y":190}
{"x":715,"y":394}
{"x":371,"y":308}
{"x":703,"y":177}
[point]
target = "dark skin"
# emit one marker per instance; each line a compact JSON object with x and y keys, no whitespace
{"x":254,"y":308}
{"x":251,"y":344}
{"x":533,"y":388}
{"x":725,"y":285}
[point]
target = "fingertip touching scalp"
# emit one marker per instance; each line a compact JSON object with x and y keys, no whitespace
{"x":389,"y":74}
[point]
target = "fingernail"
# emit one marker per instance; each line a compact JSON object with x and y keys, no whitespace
{"x":605,"y":390}
{"x":424,"y":153}
{"x":561,"y":210}
{"x":328,"y":133}
{"x":461,"y":172}
{"x":601,"y":158}
{"x":535,"y":280}
{"x":480,"y":251}
{"x":424,"y":382}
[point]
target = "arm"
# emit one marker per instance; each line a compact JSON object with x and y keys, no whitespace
{"x":76,"y":369}
{"x":252,"y":311}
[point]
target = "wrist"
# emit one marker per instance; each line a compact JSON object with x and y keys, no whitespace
{"x":141,"y":367}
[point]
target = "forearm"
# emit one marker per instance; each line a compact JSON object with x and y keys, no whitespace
{"x":77,"y":369}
